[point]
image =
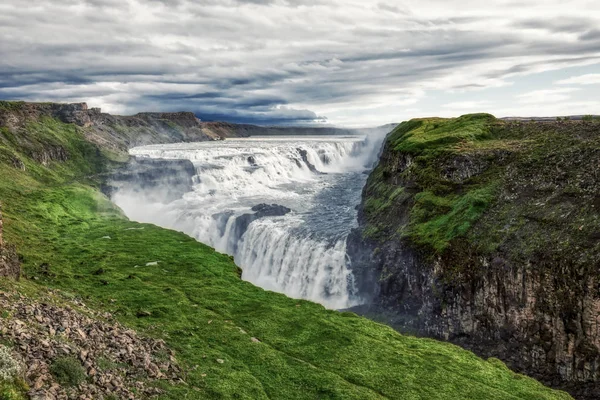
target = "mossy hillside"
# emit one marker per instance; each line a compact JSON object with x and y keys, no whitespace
{"x":48,"y":139}
{"x":526,"y":188}
{"x":10,"y":105}
{"x":430,"y":136}
{"x":440,"y":210}
{"x":422,"y":154}
{"x":72,"y":238}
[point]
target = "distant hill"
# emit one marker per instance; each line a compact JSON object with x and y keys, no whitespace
{"x":120,"y":133}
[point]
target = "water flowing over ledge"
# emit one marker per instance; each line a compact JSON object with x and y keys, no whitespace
{"x":306,"y":190}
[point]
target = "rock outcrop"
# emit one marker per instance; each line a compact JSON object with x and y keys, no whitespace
{"x":487,"y":234}
{"x":17,"y":113}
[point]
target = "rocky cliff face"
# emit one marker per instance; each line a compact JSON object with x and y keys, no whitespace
{"x":487,"y":233}
{"x":15,"y":114}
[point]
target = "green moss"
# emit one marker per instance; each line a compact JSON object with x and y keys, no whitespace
{"x":204,"y":311}
{"x":10,"y":105}
{"x":440,"y":209}
{"x":437,"y":220}
{"x":15,"y":390}
{"x":426,"y":135}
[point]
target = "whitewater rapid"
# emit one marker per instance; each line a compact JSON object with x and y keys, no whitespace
{"x":301,"y":253}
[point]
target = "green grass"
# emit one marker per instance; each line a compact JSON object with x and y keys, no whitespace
{"x":425,"y":136}
{"x":10,"y":105}
{"x":204,"y":311}
{"x":68,"y":371}
{"x":16,"y":390}
{"x":436,"y":220}
{"x":440,"y":210}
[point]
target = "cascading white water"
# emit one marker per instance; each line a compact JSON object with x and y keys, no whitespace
{"x":301,"y":253}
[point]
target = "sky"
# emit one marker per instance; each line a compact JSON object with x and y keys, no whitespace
{"x":349,"y":63}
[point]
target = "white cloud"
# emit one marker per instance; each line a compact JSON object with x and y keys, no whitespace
{"x":471,"y":105}
{"x":587,"y":79}
{"x":546,"y":96}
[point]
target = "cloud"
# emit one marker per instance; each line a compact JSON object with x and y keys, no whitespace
{"x":283,"y":61}
{"x":567,"y":24}
{"x":546,"y":96}
{"x":592,"y":34}
{"x":587,"y":79}
{"x":469,"y":106}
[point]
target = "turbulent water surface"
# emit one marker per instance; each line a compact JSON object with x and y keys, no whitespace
{"x":301,"y":253}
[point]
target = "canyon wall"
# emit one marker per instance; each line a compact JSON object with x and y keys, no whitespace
{"x":486,"y":233}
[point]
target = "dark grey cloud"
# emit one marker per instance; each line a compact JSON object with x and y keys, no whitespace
{"x":593,"y":34}
{"x":279,"y":61}
{"x":566,"y":24}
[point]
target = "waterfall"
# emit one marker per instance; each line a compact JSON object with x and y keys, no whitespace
{"x":281,"y":206}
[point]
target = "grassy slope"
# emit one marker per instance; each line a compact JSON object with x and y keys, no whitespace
{"x":518,"y":157}
{"x":440,"y":211}
{"x":204,"y":311}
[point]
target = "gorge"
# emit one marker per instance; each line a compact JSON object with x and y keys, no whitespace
{"x":412,"y":261}
{"x":284,"y":209}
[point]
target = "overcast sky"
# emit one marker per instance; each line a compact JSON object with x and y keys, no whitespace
{"x":340,"y":62}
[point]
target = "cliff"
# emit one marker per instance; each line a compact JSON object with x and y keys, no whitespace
{"x":487,"y":233}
